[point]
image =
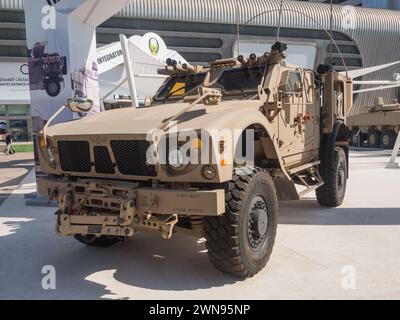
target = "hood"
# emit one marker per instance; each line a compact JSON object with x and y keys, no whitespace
{"x":142,"y":120}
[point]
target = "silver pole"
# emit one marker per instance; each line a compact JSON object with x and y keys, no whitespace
{"x":238,"y":26}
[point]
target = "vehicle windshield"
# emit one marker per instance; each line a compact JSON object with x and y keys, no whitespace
{"x":178,"y":85}
{"x":244,"y":80}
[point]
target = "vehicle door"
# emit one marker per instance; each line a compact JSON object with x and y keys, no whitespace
{"x":291,"y":130}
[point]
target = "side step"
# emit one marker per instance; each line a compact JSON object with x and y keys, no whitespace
{"x":308,"y":176}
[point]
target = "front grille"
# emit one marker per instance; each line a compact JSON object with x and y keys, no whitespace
{"x":75,"y":156}
{"x":130,"y":156}
{"x":102,"y":161}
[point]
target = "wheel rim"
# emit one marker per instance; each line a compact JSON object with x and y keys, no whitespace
{"x":341,"y":177}
{"x":385,"y":140}
{"x":258,"y":222}
{"x":372,"y":139}
{"x":52,"y":87}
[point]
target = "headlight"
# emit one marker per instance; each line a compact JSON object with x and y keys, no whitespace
{"x":209,"y":172}
{"x":177,"y":160}
{"x":41,"y":142}
{"x":45,"y":147}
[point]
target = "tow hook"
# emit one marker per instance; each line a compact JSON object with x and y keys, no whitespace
{"x":154,"y":205}
{"x":168,"y":226}
{"x":128,"y":211}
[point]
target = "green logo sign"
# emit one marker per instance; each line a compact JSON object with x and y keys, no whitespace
{"x":154,"y":46}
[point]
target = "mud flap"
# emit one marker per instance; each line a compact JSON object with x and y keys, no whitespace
{"x":285,"y":189}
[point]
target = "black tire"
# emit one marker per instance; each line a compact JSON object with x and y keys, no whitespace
{"x":388,"y":139}
{"x":354,"y":136}
{"x":374,"y":138}
{"x":93,"y":241}
{"x":240,"y":242}
{"x":53,"y":87}
{"x":332,"y":193}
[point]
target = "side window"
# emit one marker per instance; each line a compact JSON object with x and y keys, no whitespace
{"x":292,"y":79}
{"x":247,"y":79}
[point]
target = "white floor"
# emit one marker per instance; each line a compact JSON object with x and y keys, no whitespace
{"x":343,"y":253}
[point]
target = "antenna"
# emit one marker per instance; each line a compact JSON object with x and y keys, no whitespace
{"x":279,"y":21}
{"x":331,"y":30}
{"x":238,"y":26}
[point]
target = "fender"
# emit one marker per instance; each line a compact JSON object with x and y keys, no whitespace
{"x":244,"y":118}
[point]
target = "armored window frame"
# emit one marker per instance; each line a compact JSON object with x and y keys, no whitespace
{"x":254,"y":77}
{"x":293,"y":77}
{"x":189,"y":82}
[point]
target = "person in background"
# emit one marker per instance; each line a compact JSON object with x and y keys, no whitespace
{"x":9,"y":149}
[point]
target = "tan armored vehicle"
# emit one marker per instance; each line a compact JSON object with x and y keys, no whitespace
{"x":259,"y":126}
{"x":377,"y":128}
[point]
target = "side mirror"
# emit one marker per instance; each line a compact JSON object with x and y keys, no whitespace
{"x":80,"y":105}
{"x":148,"y":101}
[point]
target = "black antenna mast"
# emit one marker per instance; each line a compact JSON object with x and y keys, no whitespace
{"x":238,"y":26}
{"x":279,"y":21}
{"x":331,"y":30}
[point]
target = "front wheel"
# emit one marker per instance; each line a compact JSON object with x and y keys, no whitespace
{"x":334,"y":175}
{"x":53,"y":87}
{"x":93,"y":241}
{"x":240,"y":242}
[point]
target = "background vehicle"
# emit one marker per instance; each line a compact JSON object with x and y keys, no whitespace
{"x":46,"y":70}
{"x":108,"y":188}
{"x":377,"y":128}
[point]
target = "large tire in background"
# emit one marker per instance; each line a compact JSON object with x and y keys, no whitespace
{"x":388,"y":139}
{"x":334,"y":175}
{"x":53,"y":87}
{"x":93,"y":241}
{"x":374,"y":138}
{"x":240,"y":241}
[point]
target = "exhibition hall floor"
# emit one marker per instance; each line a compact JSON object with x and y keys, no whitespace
{"x":343,"y":253}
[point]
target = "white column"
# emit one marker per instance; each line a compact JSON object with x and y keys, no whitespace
{"x":129,"y":70}
{"x":392,"y":162}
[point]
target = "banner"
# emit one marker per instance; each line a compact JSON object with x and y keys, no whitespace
{"x":14,"y":83}
{"x":62,"y":56}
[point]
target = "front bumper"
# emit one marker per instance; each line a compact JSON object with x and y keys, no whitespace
{"x":116,"y":208}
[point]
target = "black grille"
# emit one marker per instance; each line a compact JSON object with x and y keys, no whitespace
{"x":102,"y":160}
{"x":75,"y":156}
{"x":131,"y":157}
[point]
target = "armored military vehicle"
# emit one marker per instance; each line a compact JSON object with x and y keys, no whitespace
{"x":376,"y":128}
{"x":46,"y":70}
{"x":110,"y":179}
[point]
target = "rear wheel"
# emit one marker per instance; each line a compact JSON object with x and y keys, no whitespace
{"x":241,"y":241}
{"x":373,"y":138}
{"x":93,"y":241}
{"x":334,"y":175}
{"x":388,"y":139}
